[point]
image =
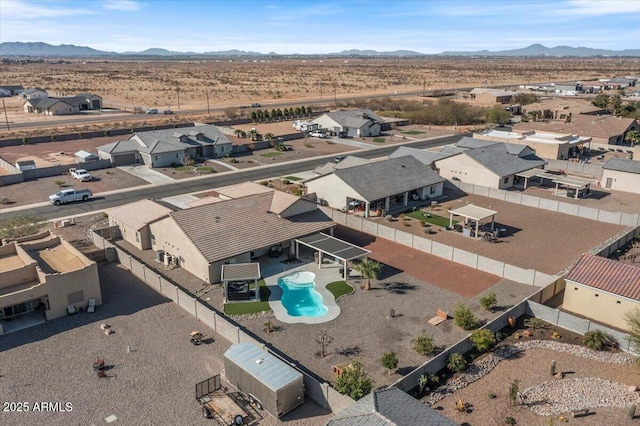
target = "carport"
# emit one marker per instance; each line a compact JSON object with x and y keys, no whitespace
{"x":575,"y":183}
{"x":332,"y":246}
{"x":473,"y":212}
{"x":237,"y":279}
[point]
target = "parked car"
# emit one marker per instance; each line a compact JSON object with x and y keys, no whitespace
{"x":81,"y":174}
{"x":255,"y":105}
{"x":152,"y":111}
{"x":167,"y":111}
{"x":339,"y":158}
{"x":70,"y":195}
{"x":318,"y":134}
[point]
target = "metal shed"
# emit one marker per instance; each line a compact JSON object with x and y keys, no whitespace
{"x":86,"y":157}
{"x":268,"y":381}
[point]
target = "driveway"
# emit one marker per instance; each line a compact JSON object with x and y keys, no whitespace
{"x":148,"y":174}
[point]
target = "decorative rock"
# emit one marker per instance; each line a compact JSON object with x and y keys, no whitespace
{"x":558,"y":376}
{"x":632,"y":388}
{"x":108,"y":331}
{"x":105,"y":326}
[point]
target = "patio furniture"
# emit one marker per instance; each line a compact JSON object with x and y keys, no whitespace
{"x":91,"y":306}
{"x":71,"y":309}
{"x":196,"y":337}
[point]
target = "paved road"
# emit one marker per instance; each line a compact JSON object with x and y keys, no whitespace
{"x":106,"y":200}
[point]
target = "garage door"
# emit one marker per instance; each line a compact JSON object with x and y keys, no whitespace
{"x":124,"y":159}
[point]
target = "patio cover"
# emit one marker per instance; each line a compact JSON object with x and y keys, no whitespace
{"x":238,"y":272}
{"x":568,"y":181}
{"x":334,"y":247}
{"x":471,"y":211}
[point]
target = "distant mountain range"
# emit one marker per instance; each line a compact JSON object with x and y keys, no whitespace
{"x":40,"y":49}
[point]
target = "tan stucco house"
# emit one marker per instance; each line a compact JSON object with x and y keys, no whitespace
{"x":491,"y":96}
{"x":603,"y":290}
{"x":555,"y":146}
{"x":621,"y":175}
{"x":133,"y":220}
{"x":491,"y":166}
{"x":201,"y":239}
{"x":40,"y":277}
{"x":378,"y":186}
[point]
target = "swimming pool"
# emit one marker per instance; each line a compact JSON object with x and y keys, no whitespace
{"x":299,"y":296}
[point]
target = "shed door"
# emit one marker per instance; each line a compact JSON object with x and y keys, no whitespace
{"x":609,"y":182}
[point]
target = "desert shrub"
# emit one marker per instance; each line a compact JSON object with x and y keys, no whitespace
{"x":423,"y":344}
{"x":514,"y":390}
{"x":464,"y":317}
{"x":535,"y":323}
{"x":389,"y":361}
{"x":19,"y":226}
{"x":595,"y":339}
{"x":59,"y":182}
{"x":489,"y":301}
{"x":456,"y":363}
{"x":483,"y":339}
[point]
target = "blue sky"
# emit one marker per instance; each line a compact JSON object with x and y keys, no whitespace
{"x":322,"y":26}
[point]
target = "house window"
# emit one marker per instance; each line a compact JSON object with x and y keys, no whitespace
{"x":432,"y":190}
{"x":506,"y":180}
{"x":156,"y":158}
{"x":153,"y":240}
{"x":137,"y":237}
{"x":597,"y":295}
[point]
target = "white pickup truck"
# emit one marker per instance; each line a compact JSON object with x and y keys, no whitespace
{"x":81,"y":174}
{"x":70,"y":195}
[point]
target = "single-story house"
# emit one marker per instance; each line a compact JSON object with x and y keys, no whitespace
{"x":491,"y":166}
{"x":379,"y":186}
{"x":519,"y":150}
{"x":602,"y":289}
{"x":204,"y":238}
{"x":93,"y":102}
{"x":389,"y":407}
{"x":492,"y":96}
{"x":33,"y":93}
{"x":50,"y":106}
{"x":346,"y":162}
{"x":555,"y":146}
{"x":133,"y":220}
{"x":562,"y":108}
{"x":10,"y":90}
{"x":621,"y":175}
{"x":605,"y":129}
{"x":355,"y":123}
{"x":162,"y":148}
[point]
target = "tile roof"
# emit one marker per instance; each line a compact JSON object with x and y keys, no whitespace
{"x":426,"y":157}
{"x":348,"y":161}
{"x":497,"y":159}
{"x":623,"y":165}
{"x":138,"y":214}
{"x":390,"y":406}
{"x":380,"y":179}
{"x":282,"y":201}
{"x":244,"y":224}
{"x":604,"y":126}
{"x":243,"y":189}
{"x":607,"y":275}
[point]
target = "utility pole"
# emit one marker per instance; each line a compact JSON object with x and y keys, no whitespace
{"x":424,"y":83}
{"x":178,"y":92}
{"x":335,"y":89}
{"x":321,"y":91}
{"x":208,"y":110}
{"x":5,"y":114}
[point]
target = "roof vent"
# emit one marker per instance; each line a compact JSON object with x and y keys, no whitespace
{"x":259,"y":361}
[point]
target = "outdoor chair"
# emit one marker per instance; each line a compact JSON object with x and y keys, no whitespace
{"x":71,"y":309}
{"x":91,"y":306}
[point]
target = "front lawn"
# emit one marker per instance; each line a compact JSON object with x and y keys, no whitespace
{"x":431,"y":218}
{"x":293,"y":178}
{"x":379,"y":140}
{"x":412,"y":132}
{"x":243,"y":308}
{"x":205,"y":169}
{"x":339,"y":289}
{"x":270,"y":154}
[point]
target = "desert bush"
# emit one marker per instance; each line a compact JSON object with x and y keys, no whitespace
{"x":514,"y":390}
{"x":489,"y":301}
{"x":464,"y":317}
{"x":595,"y":339}
{"x":389,"y":361}
{"x":423,"y":344}
{"x":354,"y":382}
{"x":19,"y":226}
{"x":483,"y":339}
{"x":59,"y":182}
{"x":456,"y":363}
{"x":535,"y":323}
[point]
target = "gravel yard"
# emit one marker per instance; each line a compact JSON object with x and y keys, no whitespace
{"x":151,"y":384}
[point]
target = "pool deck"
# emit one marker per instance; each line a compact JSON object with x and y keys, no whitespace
{"x":328,"y":274}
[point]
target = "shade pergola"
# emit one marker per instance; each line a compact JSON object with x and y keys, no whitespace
{"x":471,"y":211}
{"x":241,"y":272}
{"x":326,"y":244}
{"x":559,"y":180}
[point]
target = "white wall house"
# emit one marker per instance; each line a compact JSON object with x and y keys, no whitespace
{"x":358,"y":123}
{"x":621,"y":175}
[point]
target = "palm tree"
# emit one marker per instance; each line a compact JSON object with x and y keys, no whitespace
{"x":369,"y":270}
{"x":614,"y":103}
{"x":239,"y":133}
{"x":254,"y":134}
{"x":633,"y":137}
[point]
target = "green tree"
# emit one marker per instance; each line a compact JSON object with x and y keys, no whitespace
{"x":595,"y":339}
{"x":309,"y":111}
{"x":266,"y":115}
{"x":483,"y":339}
{"x":525,"y":98}
{"x":464,"y":317}
{"x":253,"y":133}
{"x":489,"y":301}
{"x":239,"y":133}
{"x":633,"y":137}
{"x":423,"y":344}
{"x":354,"y":381}
{"x":268,"y":137}
{"x":456,"y":363}
{"x":601,"y":100}
{"x":369,"y":269}
{"x":525,"y":118}
{"x":497,"y":115}
{"x":254,"y":116}
{"x":614,"y":103}
{"x":389,"y":361}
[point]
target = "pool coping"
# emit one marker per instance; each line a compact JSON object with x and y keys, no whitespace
{"x":280,"y":312}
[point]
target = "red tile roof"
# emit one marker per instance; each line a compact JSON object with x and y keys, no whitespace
{"x":607,"y":275}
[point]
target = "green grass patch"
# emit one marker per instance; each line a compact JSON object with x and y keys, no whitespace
{"x":412,"y":132}
{"x":339,"y":289}
{"x":270,"y":154}
{"x":292,"y":178}
{"x":431,"y":218}
{"x":205,"y":169}
{"x":379,"y":140}
{"x":183,"y":168}
{"x":244,"y":308}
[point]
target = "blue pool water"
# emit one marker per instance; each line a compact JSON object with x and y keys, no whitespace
{"x":299,"y":296}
